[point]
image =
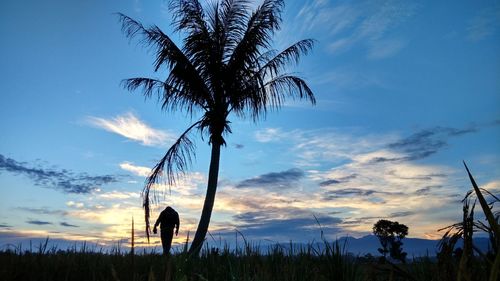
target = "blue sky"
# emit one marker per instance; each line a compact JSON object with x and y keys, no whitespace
{"x":405,"y":91}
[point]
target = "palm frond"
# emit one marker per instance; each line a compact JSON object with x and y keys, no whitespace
{"x":177,"y":160}
{"x":188,"y":16}
{"x":246,"y":93}
{"x":261,"y":26}
{"x":172,"y":97}
{"x":131,"y":27}
{"x":234,"y":18}
{"x":290,"y":54}
{"x":148,"y":85}
{"x":152,"y":37}
{"x":184,"y":84}
{"x":200,"y":42}
{"x":285,"y":85}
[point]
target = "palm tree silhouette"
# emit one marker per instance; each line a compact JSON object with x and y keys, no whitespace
{"x":226,"y":65}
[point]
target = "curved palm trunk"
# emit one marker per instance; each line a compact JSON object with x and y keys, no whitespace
{"x":206,"y":213}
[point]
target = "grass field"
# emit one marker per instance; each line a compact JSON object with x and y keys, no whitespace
{"x":304,"y":263}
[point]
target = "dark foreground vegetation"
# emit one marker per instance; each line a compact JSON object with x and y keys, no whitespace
{"x":313,"y":262}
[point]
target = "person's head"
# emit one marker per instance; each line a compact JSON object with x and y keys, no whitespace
{"x":168,"y":208}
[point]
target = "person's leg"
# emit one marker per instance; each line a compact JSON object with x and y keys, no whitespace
{"x":170,"y":235}
{"x":166,"y":240}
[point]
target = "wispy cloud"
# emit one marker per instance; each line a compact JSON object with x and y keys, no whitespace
{"x":130,"y":126}
{"x":328,"y":145}
{"x":59,"y":179}
{"x":65,"y":224}
{"x":426,"y":142}
{"x":337,"y":181}
{"x":119,"y":195}
{"x":284,"y":179}
{"x":137,"y":6}
{"x":341,"y":177}
{"x":38,"y":222}
{"x":74,"y":204}
{"x":319,"y":14}
{"x":372,"y":27}
{"x":298,"y":225}
{"x":136,"y":170}
{"x":484,"y":24}
{"x":348,"y":79}
{"x":348,"y":25}
{"x":401,"y":214}
{"x":269,"y":135}
{"x":43,"y":211}
{"x":385,"y":48}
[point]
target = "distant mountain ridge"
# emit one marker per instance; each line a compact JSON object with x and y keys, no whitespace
{"x":369,"y":244}
{"x":413,"y":246}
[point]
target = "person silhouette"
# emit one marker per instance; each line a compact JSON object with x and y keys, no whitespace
{"x":168,"y":220}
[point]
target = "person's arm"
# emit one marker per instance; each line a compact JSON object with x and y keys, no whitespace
{"x":157,"y":223}
{"x":177,"y":224}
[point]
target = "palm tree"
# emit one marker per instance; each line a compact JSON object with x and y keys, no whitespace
{"x":226,"y":65}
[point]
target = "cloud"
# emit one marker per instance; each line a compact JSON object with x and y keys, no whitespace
{"x":131,"y":127}
{"x":347,"y":79}
{"x":423,"y":191}
{"x":284,"y":179}
{"x":342,"y":178}
{"x":349,"y":25}
{"x":318,"y":14}
{"x":119,"y":195}
{"x":337,"y":181}
{"x":137,"y":6}
{"x":327,"y":146}
{"x":401,"y":214}
{"x":484,"y":24}
{"x":269,"y":135}
{"x":75,"y":204}
{"x":3,"y":225}
{"x":421,"y":177}
{"x":425,"y":143}
{"x":67,"y":224}
{"x":295,"y":229}
{"x":62,"y":180}
{"x":285,"y":224}
{"x":38,"y":222}
{"x":341,"y":187}
{"x":329,"y":182}
{"x":136,"y":170}
{"x":43,"y":211}
{"x":385,"y":48}
{"x":331,"y":194}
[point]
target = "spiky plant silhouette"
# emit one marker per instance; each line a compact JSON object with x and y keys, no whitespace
{"x":226,"y":65}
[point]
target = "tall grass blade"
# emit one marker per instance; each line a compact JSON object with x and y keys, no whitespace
{"x":486,"y":209}
{"x":495,"y":229}
{"x":467,"y":232}
{"x":132,"y":239}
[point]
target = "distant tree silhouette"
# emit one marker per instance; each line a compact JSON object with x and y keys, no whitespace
{"x":390,"y":234}
{"x":226,"y":65}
